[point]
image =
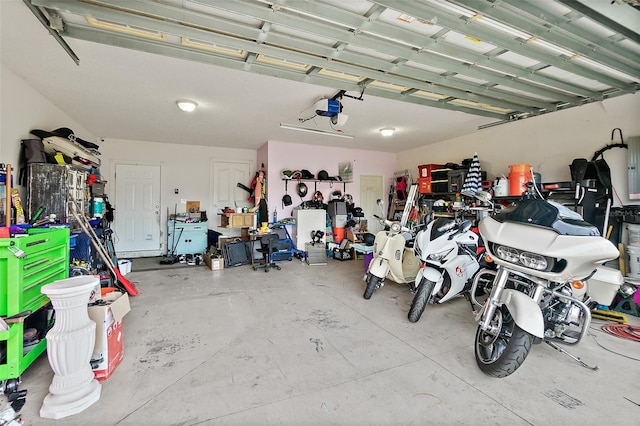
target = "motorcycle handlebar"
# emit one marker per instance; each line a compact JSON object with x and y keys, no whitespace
{"x":389,"y":223}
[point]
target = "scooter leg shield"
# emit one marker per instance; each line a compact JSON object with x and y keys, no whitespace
{"x":525,"y":312}
{"x":379,"y":267}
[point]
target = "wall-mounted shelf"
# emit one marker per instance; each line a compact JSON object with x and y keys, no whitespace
{"x":315,"y":183}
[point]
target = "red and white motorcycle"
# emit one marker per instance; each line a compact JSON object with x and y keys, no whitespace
{"x":450,"y":254}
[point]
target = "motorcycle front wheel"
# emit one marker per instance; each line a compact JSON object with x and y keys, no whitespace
{"x":500,"y":355}
{"x":372,"y":282}
{"x":420,"y":300}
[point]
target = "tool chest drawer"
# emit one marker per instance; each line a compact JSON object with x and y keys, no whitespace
{"x":27,"y":264}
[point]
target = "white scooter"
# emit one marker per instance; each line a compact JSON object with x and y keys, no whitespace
{"x":450,"y":255}
{"x":549,"y":277}
{"x":391,"y":257}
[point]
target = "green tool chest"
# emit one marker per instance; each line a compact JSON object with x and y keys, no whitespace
{"x":26,"y":264}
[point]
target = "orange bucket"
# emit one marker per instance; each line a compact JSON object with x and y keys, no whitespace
{"x":519,"y":175}
{"x":338,"y":235}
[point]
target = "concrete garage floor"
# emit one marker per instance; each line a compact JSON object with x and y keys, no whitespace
{"x":301,"y":346}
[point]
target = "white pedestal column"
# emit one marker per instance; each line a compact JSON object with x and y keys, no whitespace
{"x":69,"y":346}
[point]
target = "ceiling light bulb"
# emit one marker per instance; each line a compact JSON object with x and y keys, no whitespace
{"x":186,"y":105}
{"x":387,"y":131}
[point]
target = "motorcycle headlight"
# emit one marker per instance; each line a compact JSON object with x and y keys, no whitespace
{"x":508,"y":254}
{"x":439,"y":256}
{"x":395,"y":227}
{"x":533,"y":261}
{"x":527,"y":259}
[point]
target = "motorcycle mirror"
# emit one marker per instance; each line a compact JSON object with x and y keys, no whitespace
{"x":464,"y":227}
{"x":483,"y":196}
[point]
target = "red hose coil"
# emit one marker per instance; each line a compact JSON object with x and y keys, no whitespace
{"x":624,"y":331}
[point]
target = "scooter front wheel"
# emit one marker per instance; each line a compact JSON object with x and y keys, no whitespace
{"x":372,"y":283}
{"x":499,"y":355}
{"x":420,"y":300}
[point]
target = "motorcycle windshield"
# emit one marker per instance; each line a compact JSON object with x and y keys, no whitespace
{"x":549,"y":215}
{"x":440,"y":227}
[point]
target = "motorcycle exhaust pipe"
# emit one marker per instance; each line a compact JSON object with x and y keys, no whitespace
{"x":585,"y":310}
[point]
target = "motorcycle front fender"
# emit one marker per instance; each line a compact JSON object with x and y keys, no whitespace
{"x":525,"y":311}
{"x":379,"y":267}
{"x":430,"y":274}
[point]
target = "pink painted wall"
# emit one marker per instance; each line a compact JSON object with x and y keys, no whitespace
{"x":284,"y":155}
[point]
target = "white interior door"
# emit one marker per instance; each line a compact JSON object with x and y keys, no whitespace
{"x":137,"y":215}
{"x":371,"y":189}
{"x":225,"y":177}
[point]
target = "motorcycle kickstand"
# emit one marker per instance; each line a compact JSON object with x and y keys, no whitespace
{"x":573,"y":357}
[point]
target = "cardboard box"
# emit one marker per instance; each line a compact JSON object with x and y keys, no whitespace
{"x":193,"y":206}
{"x":108,"y":350}
{"x":213,"y":263}
{"x":95,"y":292}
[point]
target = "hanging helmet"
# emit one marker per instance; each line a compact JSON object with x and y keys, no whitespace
{"x":337,"y":194}
{"x":302,"y":189}
{"x":317,"y":196}
{"x":286,"y":174}
{"x":348,"y":198}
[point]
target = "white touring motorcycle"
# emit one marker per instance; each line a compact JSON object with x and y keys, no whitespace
{"x":548,"y":279}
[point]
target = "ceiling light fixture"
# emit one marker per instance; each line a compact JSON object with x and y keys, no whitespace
{"x":316,"y":131}
{"x":186,"y":105}
{"x":387,"y":131}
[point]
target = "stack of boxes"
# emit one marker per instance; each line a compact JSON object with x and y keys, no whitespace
{"x":430,"y":178}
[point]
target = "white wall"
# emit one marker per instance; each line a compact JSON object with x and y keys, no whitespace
{"x":549,"y":143}
{"x":185,"y":167}
{"x":22,"y":109}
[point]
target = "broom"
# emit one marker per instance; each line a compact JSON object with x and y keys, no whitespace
{"x":125,"y":284}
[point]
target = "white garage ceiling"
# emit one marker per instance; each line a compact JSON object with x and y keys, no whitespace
{"x":432,"y":69}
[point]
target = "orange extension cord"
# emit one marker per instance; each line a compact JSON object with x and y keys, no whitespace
{"x":624,"y":331}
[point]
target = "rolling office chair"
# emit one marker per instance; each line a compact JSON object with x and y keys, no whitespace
{"x":268,"y":246}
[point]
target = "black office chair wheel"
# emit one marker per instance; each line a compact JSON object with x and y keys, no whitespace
{"x":278,"y":267}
